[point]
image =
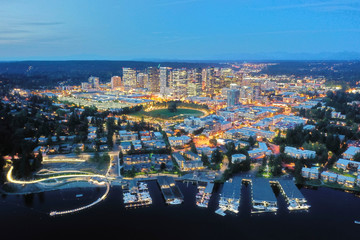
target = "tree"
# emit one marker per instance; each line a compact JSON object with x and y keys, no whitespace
{"x":172,"y":107}
{"x":162,"y":166}
{"x":193,"y":148}
{"x":205,"y":159}
{"x":216,"y":156}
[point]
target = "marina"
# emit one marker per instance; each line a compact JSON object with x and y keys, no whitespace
{"x":170,"y":191}
{"x":293,"y":196}
{"x":262,"y":196}
{"x":136,"y":194}
{"x":204,"y":194}
{"x":230,"y":196}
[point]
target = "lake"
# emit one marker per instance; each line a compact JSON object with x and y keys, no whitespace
{"x":331,"y":216}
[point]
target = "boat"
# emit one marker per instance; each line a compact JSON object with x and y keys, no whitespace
{"x":79,"y":195}
{"x":175,"y":202}
{"x":259,"y":207}
{"x":357,"y":222}
{"x":220,"y":212}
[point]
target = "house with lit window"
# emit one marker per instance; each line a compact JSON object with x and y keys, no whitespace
{"x":310,"y":173}
{"x":299,"y":153}
{"x":329,"y":176}
{"x":346,"y":181}
{"x":350,"y":152}
{"x":238,"y":158}
{"x":179,"y":141}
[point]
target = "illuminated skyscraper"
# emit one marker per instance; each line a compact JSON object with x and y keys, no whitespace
{"x":94,"y":82}
{"x":153,"y":79}
{"x":129,"y":78}
{"x":165,"y":80}
{"x":116,"y":82}
{"x":141,"y":80}
{"x":233,"y":97}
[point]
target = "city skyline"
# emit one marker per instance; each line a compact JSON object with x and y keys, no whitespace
{"x":179,"y":29}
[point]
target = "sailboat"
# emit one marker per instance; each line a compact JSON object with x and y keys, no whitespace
{"x":357,"y":222}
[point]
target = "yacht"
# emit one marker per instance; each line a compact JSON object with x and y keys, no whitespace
{"x":175,"y":202}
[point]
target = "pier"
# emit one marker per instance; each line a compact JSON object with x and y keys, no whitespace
{"x":262,"y":196}
{"x":230,"y":195}
{"x":204,"y":194}
{"x":136,"y":194}
{"x":293,"y":196}
{"x":170,"y":191}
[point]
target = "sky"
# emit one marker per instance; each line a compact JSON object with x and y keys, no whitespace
{"x":176,"y":29}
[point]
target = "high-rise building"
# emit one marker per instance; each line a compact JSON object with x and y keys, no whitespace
{"x":233,"y":97}
{"x":94,"y":82}
{"x":153,"y":79}
{"x":165,"y":81}
{"x":141,"y":80}
{"x":129,"y":78}
{"x":116,"y":82}
{"x":179,"y":82}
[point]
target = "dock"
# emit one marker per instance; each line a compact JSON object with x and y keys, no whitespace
{"x":170,"y":191}
{"x":136,"y":194}
{"x":204,"y":194}
{"x":230,"y":195}
{"x":262,"y":196}
{"x":293,"y":196}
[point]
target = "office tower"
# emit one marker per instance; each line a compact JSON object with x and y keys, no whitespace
{"x":179,"y":82}
{"x":94,"y":82}
{"x":210,"y":81}
{"x":129,"y":78}
{"x":233,"y":97}
{"x":153,"y":79}
{"x":116,"y":82}
{"x":141,"y":80}
{"x":165,"y":81}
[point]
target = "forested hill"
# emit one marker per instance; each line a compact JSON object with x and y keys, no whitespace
{"x":49,"y":73}
{"x":334,"y":71}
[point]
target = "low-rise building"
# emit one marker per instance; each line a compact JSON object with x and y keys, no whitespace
{"x":329,"y":176}
{"x":136,"y":159}
{"x":238,"y":158}
{"x":346,"y":181}
{"x":299,"y":153}
{"x":310,"y":173}
{"x":262,"y":150}
{"x":187,"y":165}
{"x":350,"y":152}
{"x":179,"y":141}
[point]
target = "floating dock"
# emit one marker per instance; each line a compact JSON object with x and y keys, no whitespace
{"x":292,"y":194}
{"x":262,"y":196}
{"x":170,"y":191}
{"x":136,"y":194}
{"x":204,"y":194}
{"x":230,"y":195}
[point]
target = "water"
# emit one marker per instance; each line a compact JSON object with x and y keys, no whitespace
{"x":331,"y":216}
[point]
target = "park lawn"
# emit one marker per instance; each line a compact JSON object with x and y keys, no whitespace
{"x":166,"y":114}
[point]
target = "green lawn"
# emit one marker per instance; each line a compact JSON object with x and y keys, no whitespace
{"x":166,"y":114}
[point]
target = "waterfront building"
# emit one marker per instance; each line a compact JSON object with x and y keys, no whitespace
{"x":310,"y":173}
{"x":298,"y":153}
{"x":238,"y":158}
{"x":346,"y":181}
{"x":187,"y":165}
{"x":329,"y":176}
{"x":342,"y":164}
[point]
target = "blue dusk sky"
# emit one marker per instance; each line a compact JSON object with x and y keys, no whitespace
{"x":176,"y":29}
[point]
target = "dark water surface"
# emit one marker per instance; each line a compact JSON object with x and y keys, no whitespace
{"x":331,"y":216}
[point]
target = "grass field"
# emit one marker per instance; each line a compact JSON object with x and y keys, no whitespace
{"x":166,"y":114}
